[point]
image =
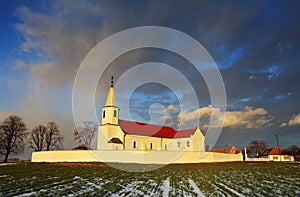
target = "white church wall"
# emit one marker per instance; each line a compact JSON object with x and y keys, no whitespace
{"x":197,"y":141}
{"x":106,"y":133}
{"x":176,"y":144}
{"x":102,"y":139}
{"x":142,"y":143}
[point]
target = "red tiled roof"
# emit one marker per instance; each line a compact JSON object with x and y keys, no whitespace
{"x":219,"y":151}
{"x":139,"y":128}
{"x":266,"y":152}
{"x":115,"y":140}
{"x":276,"y":151}
{"x":184,"y":133}
{"x":80,"y":148}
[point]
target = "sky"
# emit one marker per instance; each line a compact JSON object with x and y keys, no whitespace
{"x":255,"y":44}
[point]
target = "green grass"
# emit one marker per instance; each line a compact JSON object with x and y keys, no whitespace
{"x":222,"y":179}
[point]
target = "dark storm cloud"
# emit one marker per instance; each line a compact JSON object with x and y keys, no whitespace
{"x":254,"y":43}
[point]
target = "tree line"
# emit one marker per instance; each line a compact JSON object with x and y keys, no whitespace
{"x":14,"y":136}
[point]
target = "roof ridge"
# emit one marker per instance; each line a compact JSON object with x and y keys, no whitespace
{"x":136,"y":128}
{"x":148,"y":124}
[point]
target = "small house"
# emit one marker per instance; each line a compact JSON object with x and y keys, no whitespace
{"x":279,"y":154}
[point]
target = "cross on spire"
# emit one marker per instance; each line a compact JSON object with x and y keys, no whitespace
{"x":112,"y":81}
{"x":111,"y":100}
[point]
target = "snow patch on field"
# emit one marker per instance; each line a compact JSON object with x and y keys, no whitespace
{"x":230,"y":189}
{"x":87,"y":187}
{"x":196,"y":188}
{"x":88,"y":183}
{"x":132,"y":188}
{"x":166,"y":187}
{"x":27,"y":194}
{"x":247,"y":190}
{"x":6,"y":164}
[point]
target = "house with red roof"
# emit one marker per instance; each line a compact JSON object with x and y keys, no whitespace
{"x":115,"y":134}
{"x":279,"y":154}
{"x":273,"y":154}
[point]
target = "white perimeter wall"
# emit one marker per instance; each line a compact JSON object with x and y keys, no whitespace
{"x":273,"y":158}
{"x":142,"y":157}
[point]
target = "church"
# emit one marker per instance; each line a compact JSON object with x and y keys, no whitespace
{"x":115,"y":134}
{"x":124,"y":141}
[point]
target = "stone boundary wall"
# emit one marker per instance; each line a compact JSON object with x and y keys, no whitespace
{"x":258,"y":159}
{"x":140,"y":157}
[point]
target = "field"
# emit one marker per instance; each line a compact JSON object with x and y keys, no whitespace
{"x":222,"y":179}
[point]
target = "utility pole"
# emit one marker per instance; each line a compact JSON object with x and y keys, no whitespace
{"x":278,"y":146}
{"x":245,"y":151}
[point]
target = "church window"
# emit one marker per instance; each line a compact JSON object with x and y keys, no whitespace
{"x":178,"y":144}
{"x":150,"y":145}
{"x":188,"y":143}
{"x":134,"y":144}
{"x":115,"y":113}
{"x":104,"y":114}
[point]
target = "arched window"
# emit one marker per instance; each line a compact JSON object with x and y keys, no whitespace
{"x":178,"y":144}
{"x":166,"y":147}
{"x":150,"y":145}
{"x":104,"y":114}
{"x":188,"y":143}
{"x":134,"y":144}
{"x":115,"y":113}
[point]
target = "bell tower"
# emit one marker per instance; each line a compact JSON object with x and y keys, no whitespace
{"x":110,"y":134}
{"x":110,"y":112}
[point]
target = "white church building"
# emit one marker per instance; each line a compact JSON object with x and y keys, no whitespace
{"x":115,"y":134}
{"x":124,"y":141}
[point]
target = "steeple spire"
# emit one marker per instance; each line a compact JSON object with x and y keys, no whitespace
{"x":111,"y":100}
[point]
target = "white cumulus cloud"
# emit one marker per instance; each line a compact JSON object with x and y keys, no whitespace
{"x":284,"y":124}
{"x":171,"y":108}
{"x":295,"y":120}
{"x":246,"y":118}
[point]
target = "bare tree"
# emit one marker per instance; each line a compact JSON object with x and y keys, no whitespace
{"x":38,"y":138}
{"x":84,"y":135}
{"x":46,"y":138}
{"x":294,"y":150}
{"x":256,"y":147}
{"x":12,"y":136}
{"x":54,"y":138}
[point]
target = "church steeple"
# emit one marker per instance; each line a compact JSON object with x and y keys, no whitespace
{"x":110,"y":113}
{"x":111,"y":100}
